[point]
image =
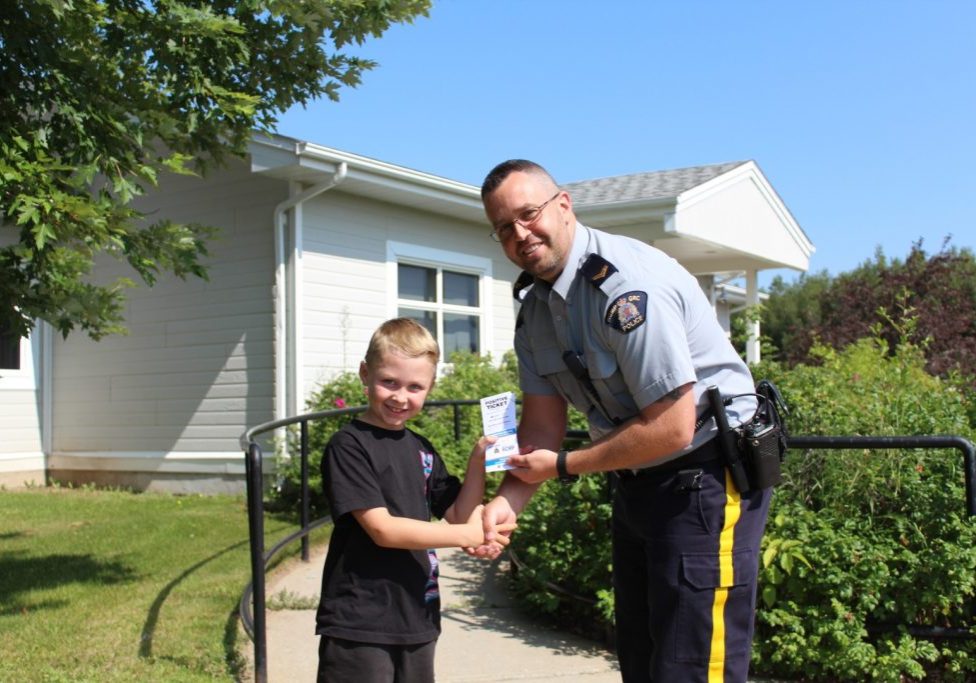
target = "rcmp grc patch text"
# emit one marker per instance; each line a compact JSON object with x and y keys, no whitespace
{"x":627,"y":312}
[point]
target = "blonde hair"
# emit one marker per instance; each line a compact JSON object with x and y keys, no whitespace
{"x":404,"y":336}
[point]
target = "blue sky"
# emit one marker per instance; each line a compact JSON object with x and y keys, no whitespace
{"x":861,"y":113}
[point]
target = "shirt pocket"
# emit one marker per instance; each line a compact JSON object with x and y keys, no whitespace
{"x":702,"y":583}
{"x":609,"y":382}
{"x":549,"y":363}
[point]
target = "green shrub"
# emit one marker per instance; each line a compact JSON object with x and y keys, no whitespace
{"x":862,"y":543}
{"x":563,"y":540}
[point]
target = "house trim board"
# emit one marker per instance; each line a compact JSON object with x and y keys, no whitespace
{"x":186,"y":462}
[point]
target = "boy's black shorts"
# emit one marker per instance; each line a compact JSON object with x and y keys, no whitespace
{"x":341,"y":661}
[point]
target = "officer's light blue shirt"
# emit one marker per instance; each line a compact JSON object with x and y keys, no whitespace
{"x":642,"y":326}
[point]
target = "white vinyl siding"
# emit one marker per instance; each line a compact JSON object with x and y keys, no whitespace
{"x":20,"y":411}
{"x":197,"y":366}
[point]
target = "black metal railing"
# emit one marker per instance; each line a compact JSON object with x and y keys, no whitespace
{"x":254,"y":593}
{"x":892,"y":442}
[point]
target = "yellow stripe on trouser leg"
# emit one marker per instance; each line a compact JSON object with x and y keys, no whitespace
{"x":716,"y":658}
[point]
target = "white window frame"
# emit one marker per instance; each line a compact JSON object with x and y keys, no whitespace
{"x":456,"y":262}
{"x":24,"y":377}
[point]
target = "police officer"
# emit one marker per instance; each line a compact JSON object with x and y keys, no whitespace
{"x":625,"y":334}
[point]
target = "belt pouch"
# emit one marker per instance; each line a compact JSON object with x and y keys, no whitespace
{"x":761,"y":453}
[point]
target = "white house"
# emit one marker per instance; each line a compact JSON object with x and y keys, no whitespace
{"x":316,"y":248}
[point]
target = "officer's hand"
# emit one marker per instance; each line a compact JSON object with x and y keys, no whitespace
{"x":534,"y":467}
{"x":498,"y":519}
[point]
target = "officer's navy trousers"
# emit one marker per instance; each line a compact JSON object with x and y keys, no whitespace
{"x":685,"y":565}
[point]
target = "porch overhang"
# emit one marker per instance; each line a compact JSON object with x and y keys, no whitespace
{"x":734,"y":222}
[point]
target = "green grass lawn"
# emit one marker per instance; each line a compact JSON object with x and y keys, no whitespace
{"x":116,"y":586}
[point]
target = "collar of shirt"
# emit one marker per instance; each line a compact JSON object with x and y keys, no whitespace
{"x":581,"y":240}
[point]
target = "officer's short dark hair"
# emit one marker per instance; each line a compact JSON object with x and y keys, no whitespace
{"x":498,"y":174}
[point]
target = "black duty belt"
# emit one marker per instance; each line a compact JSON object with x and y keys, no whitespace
{"x":707,"y":453}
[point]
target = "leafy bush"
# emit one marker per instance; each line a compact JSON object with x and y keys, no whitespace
{"x":563,"y":540}
{"x":861,"y":544}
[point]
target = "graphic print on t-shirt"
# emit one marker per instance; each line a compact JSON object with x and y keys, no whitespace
{"x":431,"y":591}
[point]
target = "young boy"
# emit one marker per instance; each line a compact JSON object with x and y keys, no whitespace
{"x":379,"y":614}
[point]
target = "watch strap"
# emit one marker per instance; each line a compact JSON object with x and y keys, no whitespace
{"x":564,"y":476}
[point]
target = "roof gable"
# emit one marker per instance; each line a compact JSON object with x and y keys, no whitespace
{"x":649,"y":186}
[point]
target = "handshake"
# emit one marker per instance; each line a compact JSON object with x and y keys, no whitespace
{"x":485,"y":537}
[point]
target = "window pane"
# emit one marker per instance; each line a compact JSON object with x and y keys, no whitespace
{"x":426,"y":318}
{"x":416,"y":282}
{"x":460,"y":334}
{"x":9,"y":349}
{"x":461,"y":289}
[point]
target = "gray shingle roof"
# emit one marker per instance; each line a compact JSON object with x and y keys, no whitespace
{"x":645,"y":186}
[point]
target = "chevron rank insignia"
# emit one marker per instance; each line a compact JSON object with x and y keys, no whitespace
{"x":627,"y":312}
{"x":596,"y":269}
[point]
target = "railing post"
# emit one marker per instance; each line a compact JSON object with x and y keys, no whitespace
{"x":969,"y":458}
{"x":255,"y":523}
{"x":457,"y":423}
{"x":305,"y":497}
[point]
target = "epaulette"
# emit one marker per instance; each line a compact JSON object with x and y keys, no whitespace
{"x":522,"y":282}
{"x":597,"y":269}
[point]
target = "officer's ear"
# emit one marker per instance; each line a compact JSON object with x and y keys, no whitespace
{"x":565,"y":201}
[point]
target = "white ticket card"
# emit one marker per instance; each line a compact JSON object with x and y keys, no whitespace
{"x":498,"y":420}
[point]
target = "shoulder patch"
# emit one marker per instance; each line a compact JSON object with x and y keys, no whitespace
{"x":627,"y":312}
{"x":521,"y":283}
{"x":596,"y":269}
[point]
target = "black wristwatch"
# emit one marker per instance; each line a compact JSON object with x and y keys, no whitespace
{"x":564,"y":476}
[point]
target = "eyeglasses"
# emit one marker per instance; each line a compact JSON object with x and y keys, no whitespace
{"x":525,"y":219}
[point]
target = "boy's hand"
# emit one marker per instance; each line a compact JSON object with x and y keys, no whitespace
{"x":472,"y":529}
{"x":478,"y":452}
{"x":476,"y":527}
{"x":498,"y":523}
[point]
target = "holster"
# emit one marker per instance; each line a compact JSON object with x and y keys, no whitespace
{"x":754,"y":451}
{"x":727,"y":445}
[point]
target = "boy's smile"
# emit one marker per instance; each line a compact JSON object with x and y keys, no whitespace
{"x":396,"y":389}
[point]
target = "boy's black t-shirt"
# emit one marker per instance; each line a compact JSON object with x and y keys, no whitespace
{"x":372,"y":594}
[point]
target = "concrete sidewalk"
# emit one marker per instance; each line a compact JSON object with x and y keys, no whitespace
{"x":485,"y":636}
